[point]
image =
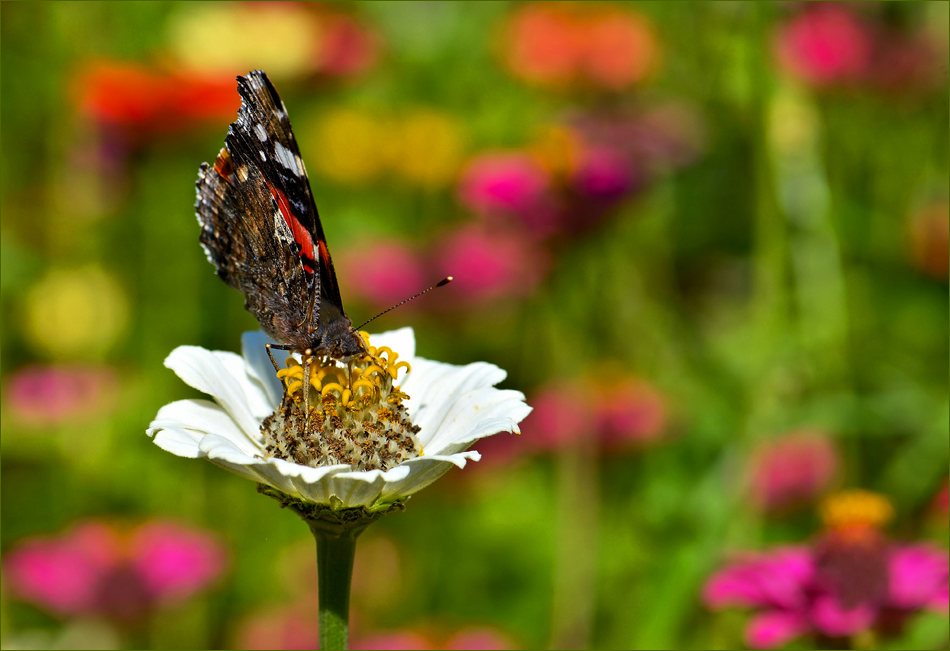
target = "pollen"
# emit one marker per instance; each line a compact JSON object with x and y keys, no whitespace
{"x":356,"y":413}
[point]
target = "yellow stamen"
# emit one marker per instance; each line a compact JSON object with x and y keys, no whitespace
{"x":394,"y":370}
{"x":332,"y":386}
{"x":365,"y":383}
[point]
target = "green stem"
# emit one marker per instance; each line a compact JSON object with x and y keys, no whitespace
{"x":335,"y":530}
{"x":335,"y":555}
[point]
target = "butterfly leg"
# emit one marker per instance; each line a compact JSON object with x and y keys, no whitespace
{"x":307,"y":357}
{"x":268,"y":346}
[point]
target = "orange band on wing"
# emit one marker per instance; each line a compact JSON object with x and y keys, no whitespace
{"x":301,"y":234}
{"x":223,"y":165}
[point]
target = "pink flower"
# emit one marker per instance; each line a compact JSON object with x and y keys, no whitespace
{"x":95,"y":569}
{"x":51,"y":395}
{"x":604,"y":174}
{"x":792,"y":470}
{"x":509,"y":183}
{"x":392,"y":640}
{"x":290,"y":628}
{"x":347,"y":48}
{"x":918,"y":577}
{"x":490,"y":263}
{"x":479,"y":638}
{"x":613,"y":417}
{"x":794,"y":593}
{"x":61,"y":574}
{"x":630,"y":412}
{"x":175,"y":562}
{"x":562,"y":413}
{"x":823,"y":46}
{"x":383,"y":273}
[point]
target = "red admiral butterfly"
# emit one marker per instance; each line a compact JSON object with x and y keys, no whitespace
{"x":261,"y":230}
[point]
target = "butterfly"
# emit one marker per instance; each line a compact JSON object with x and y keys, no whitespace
{"x":261,"y":231}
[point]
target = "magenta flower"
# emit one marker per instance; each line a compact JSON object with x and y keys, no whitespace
{"x":97,"y":570}
{"x":625,"y":414}
{"x":792,"y":470}
{"x":851,"y":579}
{"x":509,"y":184}
{"x":51,"y":395}
{"x":629,"y":413}
{"x":604,"y":174}
{"x":824,"y":46}
{"x":383,"y":273}
{"x":175,"y":562}
{"x":490,"y":263}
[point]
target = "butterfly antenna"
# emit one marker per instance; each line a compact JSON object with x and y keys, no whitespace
{"x":441,"y":283}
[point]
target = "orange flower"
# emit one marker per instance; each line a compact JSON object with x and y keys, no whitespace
{"x":562,"y":45}
{"x":621,"y":50}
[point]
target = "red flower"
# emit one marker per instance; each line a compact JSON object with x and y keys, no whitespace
{"x":146,"y":102}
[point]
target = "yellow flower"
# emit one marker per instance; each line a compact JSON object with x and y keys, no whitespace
{"x":282,"y":38}
{"x":428,"y":148}
{"x":78,"y":313}
{"x":351,"y":145}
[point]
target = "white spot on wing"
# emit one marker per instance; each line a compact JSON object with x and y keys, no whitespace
{"x":286,"y":158}
{"x":261,"y":132}
{"x":263,"y":156}
{"x":207,"y":253}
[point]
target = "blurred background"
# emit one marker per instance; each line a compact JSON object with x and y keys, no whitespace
{"x":708,"y":241}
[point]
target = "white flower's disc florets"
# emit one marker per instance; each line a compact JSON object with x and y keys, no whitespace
{"x":357,"y":416}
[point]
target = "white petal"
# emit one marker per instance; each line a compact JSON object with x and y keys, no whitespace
{"x":205,"y":371}
{"x":259,"y":366}
{"x":203,"y":417}
{"x":223,"y":452}
{"x":258,"y":401}
{"x":478,"y":414}
{"x":434,"y":387}
{"x":180,"y":442}
{"x":422,"y":472}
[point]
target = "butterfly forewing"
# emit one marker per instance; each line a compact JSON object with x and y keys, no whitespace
{"x":261,"y":229}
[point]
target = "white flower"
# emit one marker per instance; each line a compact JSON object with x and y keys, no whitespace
{"x":453,"y":405}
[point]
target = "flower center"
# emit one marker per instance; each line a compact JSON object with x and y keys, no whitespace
{"x":856,"y":509}
{"x":356,"y":413}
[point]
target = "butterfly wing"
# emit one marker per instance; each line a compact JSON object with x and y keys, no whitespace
{"x":260,"y":226}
